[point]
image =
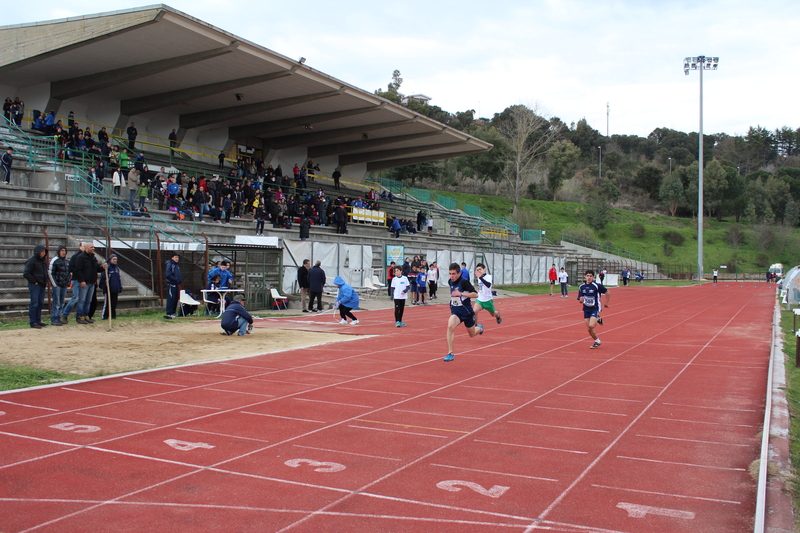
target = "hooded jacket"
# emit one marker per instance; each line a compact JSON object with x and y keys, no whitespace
{"x":347,"y":296}
{"x":59,"y":269}
{"x":35,"y":270}
{"x":231,"y":316}
{"x":114,"y":279}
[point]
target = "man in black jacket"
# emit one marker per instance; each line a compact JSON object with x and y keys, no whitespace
{"x":236,"y":317}
{"x":36,"y":274}
{"x":316,"y":284}
{"x":5,"y":162}
{"x":174,"y":280}
{"x":58,"y":272}
{"x":85,"y":273}
{"x":302,"y":283}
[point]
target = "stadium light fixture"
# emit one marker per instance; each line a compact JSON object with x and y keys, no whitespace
{"x":700,"y":63}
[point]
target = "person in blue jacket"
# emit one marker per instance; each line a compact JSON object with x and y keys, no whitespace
{"x":346,"y":301}
{"x":236,"y":317}
{"x":174,"y":279}
{"x":112,"y":288}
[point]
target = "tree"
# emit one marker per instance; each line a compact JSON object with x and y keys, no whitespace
{"x":560,"y":158}
{"x":527,"y":136}
{"x":649,"y":179}
{"x":671,"y":193}
{"x":392,"y":90}
{"x":791,"y":215}
{"x":715,"y":183}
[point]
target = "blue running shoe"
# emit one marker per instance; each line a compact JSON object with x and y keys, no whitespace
{"x":482,"y":329}
{"x":499,"y":319}
{"x":449,"y":357}
{"x":397,"y":324}
{"x":403,"y":324}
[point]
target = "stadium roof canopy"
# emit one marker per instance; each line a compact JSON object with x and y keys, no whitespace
{"x":164,"y":69}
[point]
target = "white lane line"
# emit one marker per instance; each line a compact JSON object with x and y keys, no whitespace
{"x":495,"y":388}
{"x":558,"y":427}
{"x":702,"y":422}
{"x":598,"y":397}
{"x":323,"y":373}
{"x":668,"y":494}
{"x":377,"y":391}
{"x":695,"y":440}
{"x":464,"y":400}
{"x":398,"y":431}
{"x":714,"y":408}
{"x":531,"y":446}
{"x":221,"y":434}
{"x":679,"y":464}
{"x":285,"y":417}
{"x":92,"y":392}
{"x":117,"y":419}
{"x":287,"y":382}
{"x":578,"y":410}
{"x":333,"y":403}
{"x":241,"y":392}
{"x":40,"y":457}
{"x":156,"y":382}
{"x":438,"y":414}
{"x":184,"y":404}
{"x":250,"y":366}
{"x":39,"y":439}
{"x":205,"y":374}
{"x":346,"y":453}
{"x":31,"y":406}
{"x":408,"y":381}
{"x":493,"y":472}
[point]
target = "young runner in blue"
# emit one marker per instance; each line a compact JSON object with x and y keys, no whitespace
{"x":461,"y":290}
{"x":589,"y":295}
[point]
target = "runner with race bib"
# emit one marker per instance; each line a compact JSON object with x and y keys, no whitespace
{"x":589,"y":295}
{"x":461,"y":292}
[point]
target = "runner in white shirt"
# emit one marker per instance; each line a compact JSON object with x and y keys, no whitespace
{"x":400,"y":288}
{"x":563,"y":279}
{"x":485,"y":298}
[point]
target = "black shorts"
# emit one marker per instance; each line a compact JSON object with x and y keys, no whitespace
{"x":468,"y":320}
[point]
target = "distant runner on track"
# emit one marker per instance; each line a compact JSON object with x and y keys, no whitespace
{"x":589,"y":295}
{"x":461,"y":290}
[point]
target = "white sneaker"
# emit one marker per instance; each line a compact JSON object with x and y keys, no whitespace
{"x":343,"y":321}
{"x":595,"y":345}
{"x":354,"y":322}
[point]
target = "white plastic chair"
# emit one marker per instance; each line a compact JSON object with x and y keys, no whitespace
{"x":369,"y":288}
{"x":377,"y":282}
{"x":185,"y":299}
{"x":278,"y":299}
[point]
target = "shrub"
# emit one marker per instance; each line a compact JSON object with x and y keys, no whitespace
{"x":638,"y":230}
{"x":674,"y":237}
{"x":763,"y":260}
{"x":581,"y":231}
{"x":735,"y":236}
{"x":667,"y":249}
{"x":597,"y":216}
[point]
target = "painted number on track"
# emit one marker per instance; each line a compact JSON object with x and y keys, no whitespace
{"x":77,"y":428}
{"x":321,"y":466}
{"x":184,"y":446}
{"x":454,"y":485}
{"x":641,"y":511}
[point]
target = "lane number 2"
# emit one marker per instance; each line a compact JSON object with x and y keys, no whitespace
{"x":454,"y":485}
{"x":321,"y":466}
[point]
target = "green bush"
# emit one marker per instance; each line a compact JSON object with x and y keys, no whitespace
{"x":598,"y":215}
{"x":763,"y":260}
{"x":581,"y":231}
{"x":674,"y":237}
{"x":667,"y":249}
{"x":638,"y":230}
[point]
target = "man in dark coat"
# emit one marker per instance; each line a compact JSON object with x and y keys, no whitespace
{"x":36,"y":274}
{"x":316,"y":284}
{"x":305,"y":228}
{"x":341,"y":219}
{"x":132,"y":134}
{"x":174,"y":280}
{"x":236,"y":317}
{"x":336,"y":177}
{"x":5,"y":162}
{"x":58,"y":272}
{"x":302,"y":283}
{"x":85,"y":273}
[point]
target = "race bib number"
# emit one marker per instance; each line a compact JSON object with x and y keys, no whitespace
{"x":455,"y":301}
{"x":589,"y":301}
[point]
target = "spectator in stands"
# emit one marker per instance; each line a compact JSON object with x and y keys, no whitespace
{"x":49,"y":123}
{"x":261,"y":217}
{"x":221,"y":158}
{"x":337,"y":175}
{"x":142,"y":191}
{"x":58,"y":273}
{"x":396,"y":228}
{"x":116,"y":181}
{"x":464,"y":271}
{"x":305,"y":228}
{"x":7,"y":108}
{"x":421,"y":220}
{"x":430,"y":226}
{"x":346,"y":301}
{"x":200,"y":203}
{"x":102,"y":136}
{"x":173,"y":142}
{"x":111,"y":285}
{"x":5,"y":163}
{"x":132,"y":134}
{"x":316,"y":284}
{"x":236,"y":317}
{"x":391,"y":197}
{"x":35,"y":273}
{"x":19,"y":112}
{"x":410,"y":228}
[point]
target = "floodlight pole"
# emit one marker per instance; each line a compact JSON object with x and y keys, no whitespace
{"x":600,"y":164}
{"x":700,"y":63}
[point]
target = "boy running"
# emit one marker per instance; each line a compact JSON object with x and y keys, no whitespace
{"x":400,"y":288}
{"x":589,"y":295}
{"x":485,"y":299}
{"x":461,"y":290}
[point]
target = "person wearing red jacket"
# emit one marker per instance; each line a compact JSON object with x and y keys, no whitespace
{"x":553,"y":277}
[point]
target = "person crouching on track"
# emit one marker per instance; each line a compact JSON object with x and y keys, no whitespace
{"x":346,"y":301}
{"x":236,"y":317}
{"x":589,"y":295}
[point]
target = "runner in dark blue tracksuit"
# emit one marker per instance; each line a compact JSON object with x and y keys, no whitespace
{"x":589,"y":295}
{"x":461,"y":290}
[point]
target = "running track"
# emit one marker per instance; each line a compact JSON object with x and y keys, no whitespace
{"x":527,"y":430}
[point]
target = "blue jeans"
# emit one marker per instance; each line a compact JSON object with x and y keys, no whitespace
{"x":57,"y":296}
{"x":84,"y":299}
{"x":241,"y":323}
{"x":73,"y":301}
{"x":37,"y":302}
{"x":133,"y":195}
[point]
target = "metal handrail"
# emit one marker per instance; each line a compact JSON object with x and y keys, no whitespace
{"x":613,"y":250}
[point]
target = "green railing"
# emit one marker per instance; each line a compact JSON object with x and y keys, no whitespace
{"x":532,"y":236}
{"x":396,"y":187}
{"x":446,"y":202}
{"x":423,"y":195}
{"x":613,"y":250}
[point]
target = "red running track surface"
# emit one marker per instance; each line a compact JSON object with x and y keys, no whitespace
{"x":526,"y":430}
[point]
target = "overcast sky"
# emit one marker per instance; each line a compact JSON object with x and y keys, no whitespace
{"x":569,"y":57}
